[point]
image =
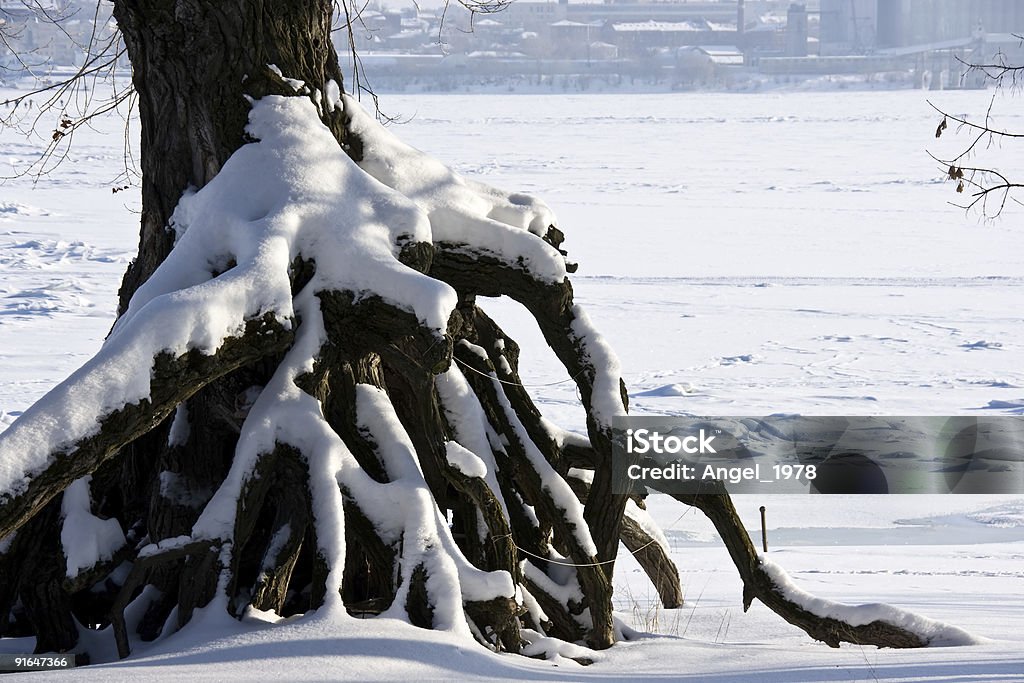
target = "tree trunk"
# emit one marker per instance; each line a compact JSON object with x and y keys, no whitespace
{"x":196,"y":65}
{"x":194,"y":62}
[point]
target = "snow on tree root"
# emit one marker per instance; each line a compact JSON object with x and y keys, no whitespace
{"x":116,"y":397}
{"x":777,"y":593}
{"x":289,"y":222}
{"x":462,"y":213}
{"x":932,"y":633}
{"x":450,"y":579}
{"x":427,"y":540}
{"x":295,"y":194}
{"x":554,"y":503}
{"x":86,"y":539}
{"x":470,"y":425}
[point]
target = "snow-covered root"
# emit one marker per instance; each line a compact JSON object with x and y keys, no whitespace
{"x":586,"y":357}
{"x":395,"y":511}
{"x":86,"y":419}
{"x":514,"y":229}
{"x":147,"y":559}
{"x":928,"y":631}
{"x":763,"y":583}
{"x":486,"y":244}
{"x":223,"y":297}
{"x":330,"y":456}
{"x":551,"y":498}
{"x":450,"y":581}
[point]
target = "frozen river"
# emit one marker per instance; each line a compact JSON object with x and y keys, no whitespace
{"x":753,"y":254}
{"x":746,"y":254}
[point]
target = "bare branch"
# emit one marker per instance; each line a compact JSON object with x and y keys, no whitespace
{"x":75,"y":100}
{"x":992,"y":187}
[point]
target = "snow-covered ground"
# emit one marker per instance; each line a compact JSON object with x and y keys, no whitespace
{"x":745,"y":255}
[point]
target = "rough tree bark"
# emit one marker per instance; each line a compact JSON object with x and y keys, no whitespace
{"x":402,"y":407}
{"x":194,"y":64}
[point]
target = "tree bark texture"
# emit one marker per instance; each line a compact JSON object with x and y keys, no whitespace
{"x":194,"y":63}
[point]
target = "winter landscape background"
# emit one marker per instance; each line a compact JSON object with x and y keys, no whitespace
{"x":745,"y":255}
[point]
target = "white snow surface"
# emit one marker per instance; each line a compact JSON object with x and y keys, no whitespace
{"x":86,"y":538}
{"x":770,"y":253}
{"x":464,"y":460}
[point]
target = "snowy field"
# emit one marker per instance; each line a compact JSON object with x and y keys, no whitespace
{"x":745,"y":255}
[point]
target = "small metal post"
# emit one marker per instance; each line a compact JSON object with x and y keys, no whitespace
{"x":764,"y":531}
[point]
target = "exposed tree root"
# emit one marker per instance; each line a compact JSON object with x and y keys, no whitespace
{"x":758,"y":584}
{"x":173,"y":380}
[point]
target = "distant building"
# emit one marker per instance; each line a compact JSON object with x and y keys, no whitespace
{"x":719,"y":55}
{"x":534,"y":16}
{"x":639,"y":38}
{"x":573,"y":38}
{"x":796,"y":30}
{"x":903,"y":23}
{"x":849,"y":27}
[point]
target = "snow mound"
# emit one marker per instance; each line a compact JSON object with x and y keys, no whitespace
{"x":684,"y":389}
{"x":319,"y":646}
{"x":933,"y":633}
{"x":1015,"y":407}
